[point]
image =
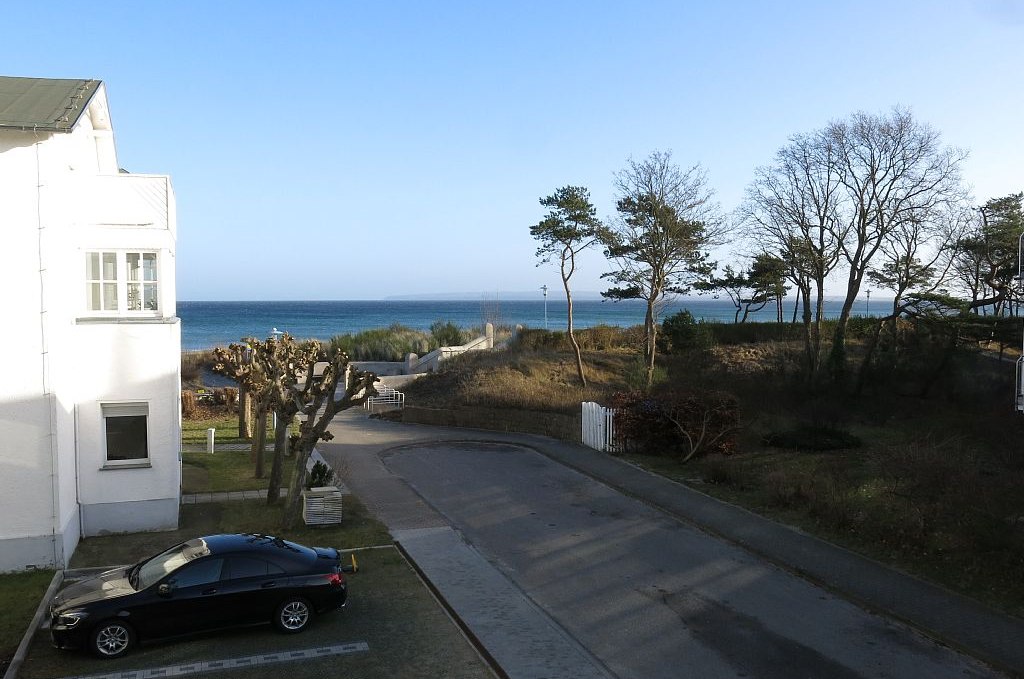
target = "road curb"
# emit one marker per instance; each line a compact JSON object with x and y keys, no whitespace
{"x":467,"y":632}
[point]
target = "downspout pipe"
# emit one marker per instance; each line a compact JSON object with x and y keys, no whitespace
{"x":44,"y":359}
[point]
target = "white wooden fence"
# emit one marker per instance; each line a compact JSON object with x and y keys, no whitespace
{"x":598,"y":427}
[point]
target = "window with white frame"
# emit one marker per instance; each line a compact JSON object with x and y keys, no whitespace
{"x":126,"y":432}
{"x":122,"y":282}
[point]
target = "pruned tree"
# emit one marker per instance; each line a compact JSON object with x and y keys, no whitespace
{"x":667,"y":220}
{"x":317,"y":399}
{"x":252,"y":365}
{"x":569,"y":227}
{"x":284,"y":372}
{"x":266,"y":370}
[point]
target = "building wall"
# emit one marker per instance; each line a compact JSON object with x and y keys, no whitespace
{"x":61,"y":195}
{"x":28,"y":451}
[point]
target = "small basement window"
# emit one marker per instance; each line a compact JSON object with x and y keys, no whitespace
{"x":126,"y":432}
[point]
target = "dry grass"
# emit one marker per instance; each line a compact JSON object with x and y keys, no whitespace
{"x":545,"y":381}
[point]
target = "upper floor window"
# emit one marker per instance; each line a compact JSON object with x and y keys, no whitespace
{"x":121,"y":281}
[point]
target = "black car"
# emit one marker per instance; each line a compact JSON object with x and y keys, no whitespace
{"x":206,"y":583}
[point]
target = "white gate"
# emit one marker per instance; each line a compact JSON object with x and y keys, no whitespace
{"x":598,"y":427}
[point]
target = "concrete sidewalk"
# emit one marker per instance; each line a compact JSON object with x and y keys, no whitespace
{"x":948,"y":617}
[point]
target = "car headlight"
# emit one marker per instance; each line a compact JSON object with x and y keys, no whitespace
{"x":70,"y":619}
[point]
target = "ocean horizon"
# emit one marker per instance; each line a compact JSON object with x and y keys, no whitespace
{"x":207,"y":324}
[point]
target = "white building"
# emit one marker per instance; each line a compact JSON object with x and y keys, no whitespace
{"x":89,"y":390}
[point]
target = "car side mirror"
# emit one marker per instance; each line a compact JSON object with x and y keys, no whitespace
{"x":164,"y":590}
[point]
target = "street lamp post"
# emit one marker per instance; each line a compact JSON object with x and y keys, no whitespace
{"x":867,"y":305}
{"x":545,"y":289}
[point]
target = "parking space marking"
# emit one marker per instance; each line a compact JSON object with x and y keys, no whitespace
{"x":231,"y":663}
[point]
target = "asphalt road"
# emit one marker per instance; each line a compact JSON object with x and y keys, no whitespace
{"x":647,"y":595}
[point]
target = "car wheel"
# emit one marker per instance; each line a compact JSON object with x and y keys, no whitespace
{"x":111,"y":639}
{"x":293,"y":615}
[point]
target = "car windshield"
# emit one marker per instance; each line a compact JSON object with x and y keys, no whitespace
{"x":148,"y":572}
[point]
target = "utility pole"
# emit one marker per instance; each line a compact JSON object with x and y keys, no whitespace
{"x":545,"y":289}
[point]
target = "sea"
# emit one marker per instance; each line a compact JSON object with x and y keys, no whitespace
{"x":207,"y":324}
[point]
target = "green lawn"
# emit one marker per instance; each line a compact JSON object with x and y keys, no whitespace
{"x":19,"y":597}
{"x":225,"y":471}
{"x":194,"y":431}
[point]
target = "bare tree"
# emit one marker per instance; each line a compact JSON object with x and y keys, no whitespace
{"x":667,"y":219}
{"x":893,"y":170}
{"x":838,"y":197}
{"x":569,"y":227}
{"x":917,"y":258}
{"x":791,"y":209}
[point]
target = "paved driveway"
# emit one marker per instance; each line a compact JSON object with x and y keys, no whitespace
{"x":645,"y":594}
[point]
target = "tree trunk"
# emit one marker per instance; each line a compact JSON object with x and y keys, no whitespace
{"x":280,"y":444}
{"x":259,"y":441}
{"x":572,"y":335}
{"x":244,"y":413}
{"x":869,"y":352}
{"x":810,"y":346}
{"x":298,"y":482}
{"x":651,"y":347}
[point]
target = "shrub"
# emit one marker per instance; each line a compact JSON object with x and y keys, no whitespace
{"x":635,"y":375}
{"x":682,"y":424}
{"x":188,"y":405}
{"x":447,"y":334}
{"x":230,"y":397}
{"x":320,"y":475}
{"x":681,"y":333}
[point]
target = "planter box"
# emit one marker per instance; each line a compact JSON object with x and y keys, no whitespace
{"x":321,"y":506}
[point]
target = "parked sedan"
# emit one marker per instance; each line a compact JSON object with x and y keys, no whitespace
{"x":206,"y":583}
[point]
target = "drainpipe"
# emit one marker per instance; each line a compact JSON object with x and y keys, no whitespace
{"x":44,"y":361}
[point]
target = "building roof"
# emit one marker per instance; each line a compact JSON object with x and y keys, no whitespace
{"x":46,"y":104}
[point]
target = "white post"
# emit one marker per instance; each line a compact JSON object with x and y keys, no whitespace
{"x":210,"y":434}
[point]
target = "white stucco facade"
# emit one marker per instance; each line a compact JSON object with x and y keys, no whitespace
{"x":72,"y":369}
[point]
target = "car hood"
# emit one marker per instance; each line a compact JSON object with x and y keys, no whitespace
{"x":108,"y":585}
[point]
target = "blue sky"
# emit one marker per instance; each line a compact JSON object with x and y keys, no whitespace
{"x":358,"y":151}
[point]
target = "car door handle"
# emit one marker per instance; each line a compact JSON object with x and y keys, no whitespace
{"x":268,"y":585}
{"x":209,"y":591}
